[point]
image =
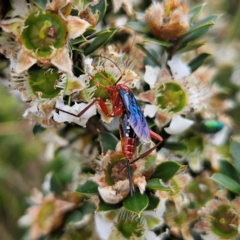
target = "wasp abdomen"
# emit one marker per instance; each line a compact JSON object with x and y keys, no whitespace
{"x":128,"y":147}
{"x":128,"y":136}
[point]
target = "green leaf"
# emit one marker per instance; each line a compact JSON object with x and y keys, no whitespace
{"x":103,"y":206}
{"x":89,"y":187}
{"x":89,"y":31}
{"x":108,"y":141}
{"x":166,"y":170}
{"x":40,"y":3}
{"x":100,"y":40}
{"x":38,"y":128}
{"x":153,"y":202}
{"x":151,"y":56}
{"x":198,"y":29}
{"x":195,"y":63}
{"x":235,"y":151}
{"x":99,"y":9}
{"x":77,"y":40}
{"x":228,"y":169}
{"x":194,"y":13}
{"x":87,"y":207}
{"x":96,"y":34}
{"x":194,"y":35}
{"x":137,"y":203}
{"x":227,"y":182}
{"x":55,"y":184}
{"x":208,"y":21}
{"x":138,"y":27}
{"x":153,"y":40}
{"x":154,"y":184}
{"x":175,"y":146}
{"x":73,"y":217}
{"x":189,"y":47}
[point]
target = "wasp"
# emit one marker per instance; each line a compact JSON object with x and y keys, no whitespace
{"x":132,"y":123}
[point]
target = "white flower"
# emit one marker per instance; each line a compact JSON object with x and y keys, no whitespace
{"x":178,"y":68}
{"x":75,"y":109}
{"x":151,"y":75}
{"x":178,"y":125}
{"x":29,"y":55}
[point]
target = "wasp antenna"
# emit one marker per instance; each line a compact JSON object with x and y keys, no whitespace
{"x":116,"y":65}
{"x":129,"y":54}
{"x":129,"y":177}
{"x":96,"y":82}
{"x":102,"y":75}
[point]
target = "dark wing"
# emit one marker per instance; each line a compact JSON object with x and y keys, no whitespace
{"x":136,"y":118}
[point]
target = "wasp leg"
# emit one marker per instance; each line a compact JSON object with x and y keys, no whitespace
{"x":143,"y":155}
{"x":129,"y":177}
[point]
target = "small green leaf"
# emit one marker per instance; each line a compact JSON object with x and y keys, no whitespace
{"x":208,"y":21}
{"x":194,"y":35}
{"x":73,"y":217}
{"x":198,"y":29}
{"x":154,"y":184}
{"x":175,"y":146}
{"x":228,"y":169}
{"x":103,"y":206}
{"x":100,"y":40}
{"x":89,"y":187}
{"x":138,"y":27}
{"x":166,"y":170}
{"x":189,"y":47}
{"x":194,"y":13}
{"x":151,"y":56}
{"x":153,"y":40}
{"x":227,"y":182}
{"x":78,"y":40}
{"x":55,"y":184}
{"x":99,"y":9}
{"x":235,"y":151}
{"x":89,"y":31}
{"x":87,"y":207}
{"x":96,"y":34}
{"x":40,"y":3}
{"x":153,"y":202}
{"x":137,"y":203}
{"x":195,"y":63}
{"x":108,"y":141}
{"x":38,"y":128}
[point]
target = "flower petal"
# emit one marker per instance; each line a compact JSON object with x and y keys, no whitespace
{"x":12,"y":26}
{"x":73,"y":84}
{"x":178,"y":125}
{"x":56,"y":5}
{"x":20,"y":8}
{"x":25,"y":61}
{"x":75,"y":109}
{"x":76,"y":26}
{"x":150,"y":110}
{"x":151,"y":75}
{"x":103,"y":227}
{"x":62,"y":61}
{"x":221,"y":137}
{"x":178,"y":68}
